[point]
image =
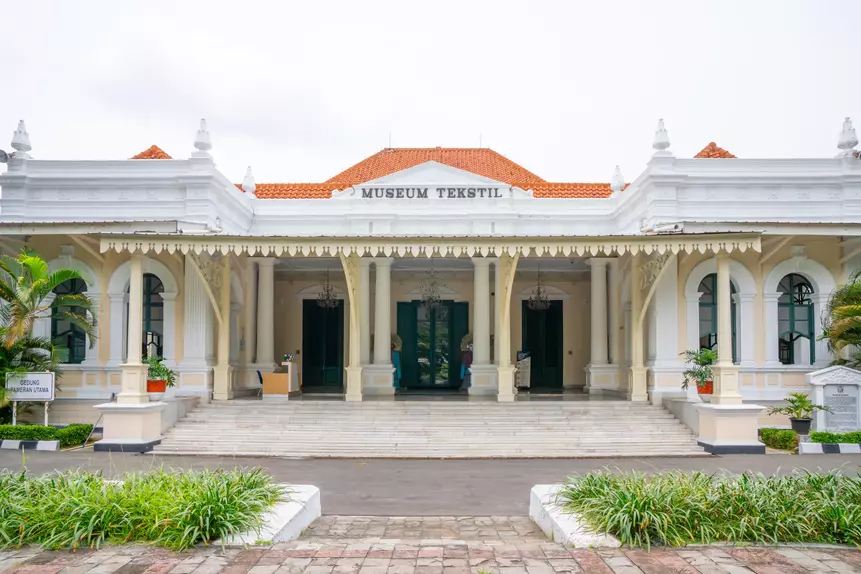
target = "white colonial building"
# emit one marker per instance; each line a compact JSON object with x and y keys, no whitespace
{"x":602,"y":286}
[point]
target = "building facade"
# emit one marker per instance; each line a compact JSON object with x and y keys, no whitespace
{"x":602,"y":285}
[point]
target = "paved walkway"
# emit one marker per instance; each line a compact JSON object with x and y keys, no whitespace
{"x":422,"y":487}
{"x":429,"y":545}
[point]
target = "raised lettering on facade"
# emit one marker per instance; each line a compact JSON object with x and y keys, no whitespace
{"x":428,"y":192}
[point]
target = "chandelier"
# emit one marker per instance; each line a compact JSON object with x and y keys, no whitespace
{"x":430,"y":290}
{"x":538,"y":300}
{"x":327,"y":297}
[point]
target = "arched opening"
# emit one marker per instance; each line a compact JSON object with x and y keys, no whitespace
{"x":795,"y":326}
{"x":708,"y":309}
{"x":68,"y":338}
{"x":152,"y":316}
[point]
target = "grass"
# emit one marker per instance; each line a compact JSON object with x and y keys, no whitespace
{"x":175,"y":510}
{"x":678,"y":508}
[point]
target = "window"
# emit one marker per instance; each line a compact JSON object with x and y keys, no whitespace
{"x":153,"y":316}
{"x":708,"y":314}
{"x":69,"y":339}
{"x":795,"y":321}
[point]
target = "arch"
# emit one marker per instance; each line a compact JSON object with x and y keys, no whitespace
{"x":823,"y":284}
{"x":118,"y":286}
{"x":745,"y":293}
{"x":42,"y":326}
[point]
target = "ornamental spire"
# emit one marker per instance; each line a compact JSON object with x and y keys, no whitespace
{"x":248,"y":185}
{"x":661,"y":141}
{"x":202,"y":142}
{"x":21,"y":141}
{"x":618,"y":182}
{"x":848,"y":139}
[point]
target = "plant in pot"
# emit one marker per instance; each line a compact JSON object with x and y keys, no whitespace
{"x":700,"y":369}
{"x":799,"y":407}
{"x":158,"y":377}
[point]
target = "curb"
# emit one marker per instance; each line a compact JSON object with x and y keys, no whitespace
{"x":561,"y":527}
{"x":287,"y":520}
{"x":828,"y":448}
{"x":51,"y":445}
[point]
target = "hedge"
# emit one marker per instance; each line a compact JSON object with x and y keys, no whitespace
{"x":836,"y":437}
{"x":781,"y":439}
{"x":70,"y":435}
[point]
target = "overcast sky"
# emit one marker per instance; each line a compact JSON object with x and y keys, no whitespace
{"x":302,"y":90}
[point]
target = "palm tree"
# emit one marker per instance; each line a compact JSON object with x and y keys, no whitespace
{"x":841,"y":322}
{"x":25,"y":286}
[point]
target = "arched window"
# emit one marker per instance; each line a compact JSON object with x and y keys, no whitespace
{"x":153,"y":316}
{"x":708,"y":314}
{"x":69,"y":339}
{"x":795,"y":321}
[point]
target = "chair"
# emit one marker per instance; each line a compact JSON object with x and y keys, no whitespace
{"x":260,"y":378}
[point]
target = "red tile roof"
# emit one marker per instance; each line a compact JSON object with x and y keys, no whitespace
{"x":713,"y":151}
{"x":152,"y":152}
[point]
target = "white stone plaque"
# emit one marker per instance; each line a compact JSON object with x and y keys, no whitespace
{"x":843,"y":402}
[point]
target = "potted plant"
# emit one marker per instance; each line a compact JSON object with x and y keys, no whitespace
{"x":158,"y":377}
{"x":799,"y":407}
{"x":700,"y":369}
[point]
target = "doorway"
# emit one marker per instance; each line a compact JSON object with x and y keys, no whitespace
{"x":431,"y":355}
{"x":542,"y":338}
{"x":322,"y":347}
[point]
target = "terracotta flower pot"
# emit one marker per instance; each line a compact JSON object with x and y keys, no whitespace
{"x":706,"y":389}
{"x":156,"y":389}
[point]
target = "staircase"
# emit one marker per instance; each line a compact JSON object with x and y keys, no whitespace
{"x":420,"y":429}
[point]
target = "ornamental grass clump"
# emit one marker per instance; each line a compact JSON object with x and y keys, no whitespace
{"x":176,"y":510}
{"x":677,"y":508}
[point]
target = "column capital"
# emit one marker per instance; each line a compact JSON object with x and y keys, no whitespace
{"x":365,"y":262}
{"x":599,"y":261}
{"x":169,"y":295}
{"x":722,"y":254}
{"x":383,"y":261}
{"x":264,"y":261}
{"x":481,"y":261}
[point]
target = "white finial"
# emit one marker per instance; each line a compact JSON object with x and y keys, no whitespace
{"x":618,"y":182}
{"x":202,"y":142}
{"x":662,"y":140}
{"x":21,"y":141}
{"x":248,"y":185}
{"x":848,"y":139}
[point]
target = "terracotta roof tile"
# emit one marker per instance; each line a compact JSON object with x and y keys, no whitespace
{"x":292,"y":190}
{"x":152,"y":152}
{"x":713,"y":151}
{"x":570,"y":190}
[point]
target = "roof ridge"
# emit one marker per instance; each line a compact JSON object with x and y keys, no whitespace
{"x":152,"y":152}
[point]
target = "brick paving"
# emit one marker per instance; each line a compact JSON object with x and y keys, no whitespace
{"x":429,"y":545}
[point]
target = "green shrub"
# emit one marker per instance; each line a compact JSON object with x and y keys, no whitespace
{"x":781,"y":439}
{"x":176,"y":510}
{"x":73,"y":435}
{"x":27,"y":432}
{"x":837,"y":437}
{"x":678,"y":508}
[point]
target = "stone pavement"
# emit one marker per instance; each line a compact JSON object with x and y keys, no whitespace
{"x":429,"y":545}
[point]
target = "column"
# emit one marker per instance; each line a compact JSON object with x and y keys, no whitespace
{"x":354,"y":370}
{"x":383,"y":312}
{"x":770,"y":328}
{"x":637,"y":371}
{"x":505,"y":371}
{"x":168,"y":348}
{"x":599,"y":311}
{"x":483,"y":374}
{"x":365,"y":309}
{"x":744,"y":328}
{"x":497,"y":291}
{"x":117,"y":311}
{"x":266,"y":314}
{"x":250,"y":318}
{"x":616,"y":343}
{"x":481,"y":316}
{"x":134,"y":374}
{"x":725,"y":372}
{"x":223,"y":384}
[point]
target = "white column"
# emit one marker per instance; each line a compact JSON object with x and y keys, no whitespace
{"x":744,"y":328}
{"x":772,"y":345}
{"x":726,"y":374}
{"x":134,"y":374}
{"x":266,"y":313}
{"x":497,"y":307}
{"x":615,"y":313}
{"x":382,"y":312}
{"x":599,"y":311}
{"x":823,"y":355}
{"x":167,"y":338}
{"x":117,"y":310}
{"x":481,"y":314}
{"x":365,"y":309}
{"x":637,"y":372}
{"x":199,"y":325}
{"x":250,"y":319}
{"x":223,"y":384}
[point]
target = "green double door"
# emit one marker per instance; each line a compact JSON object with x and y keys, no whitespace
{"x":431,"y":355}
{"x":542,"y":338}
{"x":322,"y":347}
